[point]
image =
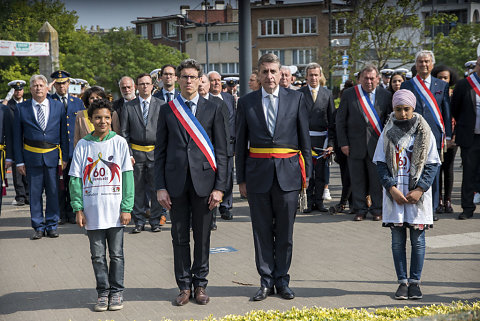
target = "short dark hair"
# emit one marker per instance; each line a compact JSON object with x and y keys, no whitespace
{"x":453,"y":74}
{"x":189,"y":63}
{"x":99,"y":104}
{"x":93,"y":90}
{"x":141,"y":76}
{"x":269,"y":58}
{"x":165,"y":66}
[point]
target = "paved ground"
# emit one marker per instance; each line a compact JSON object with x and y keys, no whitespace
{"x":336,"y":263}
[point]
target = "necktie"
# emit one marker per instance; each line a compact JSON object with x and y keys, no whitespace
{"x":314,"y":95}
{"x":189,"y":105}
{"x":169,"y":98}
{"x":145,"y":112}
{"x":64,"y":100}
{"x":40,"y":117}
{"x":271,"y":117}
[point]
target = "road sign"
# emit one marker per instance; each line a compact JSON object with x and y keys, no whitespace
{"x":344,"y":78}
{"x":345,"y":61}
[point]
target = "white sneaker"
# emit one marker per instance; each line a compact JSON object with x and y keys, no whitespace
{"x":476,"y":198}
{"x":14,"y":202}
{"x":326,"y":195}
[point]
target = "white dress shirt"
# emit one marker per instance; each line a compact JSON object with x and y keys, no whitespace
{"x":142,"y":100}
{"x":45,"y":105}
{"x":195,"y":103}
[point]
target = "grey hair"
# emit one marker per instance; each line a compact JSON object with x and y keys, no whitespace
{"x":369,"y":67}
{"x":269,"y":58}
{"x":213,"y":72}
{"x":126,"y":77}
{"x":286,"y":68}
{"x":422,"y":53}
{"x":37,"y":77}
{"x":313,"y":65}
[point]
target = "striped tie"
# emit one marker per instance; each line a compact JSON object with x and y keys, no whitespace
{"x":271,"y":117}
{"x":40,"y":117}
{"x":145,"y":112}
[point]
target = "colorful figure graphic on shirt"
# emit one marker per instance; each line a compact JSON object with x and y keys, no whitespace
{"x":114,"y":168}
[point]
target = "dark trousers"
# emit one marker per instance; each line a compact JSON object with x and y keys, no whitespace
{"x":471,"y":167}
{"x":342,"y":161}
{"x":316,"y":184}
{"x":20,"y":184}
{"x":364,"y":178}
{"x":273,"y":215}
{"x":446,"y":174}
{"x":227,"y":202}
{"x":189,"y":206}
{"x":40,"y":178}
{"x":66,"y":211}
{"x":436,"y":186}
{"x":144,"y":175}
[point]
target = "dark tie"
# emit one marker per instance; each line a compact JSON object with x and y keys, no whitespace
{"x":189,"y":104}
{"x":145,"y":112}
{"x":40,"y":117}
{"x":64,"y":100}
{"x":168,"y":97}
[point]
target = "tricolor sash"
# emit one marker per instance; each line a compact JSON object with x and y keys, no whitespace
{"x":474,"y":81}
{"x":429,"y":101}
{"x":194,"y":129}
{"x":369,"y":110}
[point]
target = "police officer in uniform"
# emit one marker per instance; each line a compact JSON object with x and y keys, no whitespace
{"x":72,"y":106}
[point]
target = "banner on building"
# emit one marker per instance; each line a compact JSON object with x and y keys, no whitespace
{"x":17,"y":48}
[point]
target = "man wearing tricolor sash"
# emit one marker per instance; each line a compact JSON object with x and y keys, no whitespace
{"x":273,"y":162}
{"x":466,"y":111}
{"x":433,"y":103}
{"x":360,"y":118}
{"x":190,"y":177}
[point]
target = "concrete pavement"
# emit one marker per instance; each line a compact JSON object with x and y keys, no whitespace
{"x":336,"y":263}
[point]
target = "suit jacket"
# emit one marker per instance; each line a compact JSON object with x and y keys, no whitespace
{"x":118,"y":107}
{"x":74,"y":105}
{"x":353,"y":128}
{"x":464,"y":110}
{"x":320,"y":112}
{"x":26,"y":126}
{"x":226,"y":120}
{"x":176,"y":153}
{"x":8,"y":123}
{"x":231,"y":104}
{"x":159,"y":94}
{"x":134,"y":130}
{"x":291,"y":131}
{"x":439,"y":89}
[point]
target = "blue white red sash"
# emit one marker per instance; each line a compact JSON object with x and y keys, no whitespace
{"x":194,"y":129}
{"x":474,"y":81}
{"x":429,"y":101}
{"x":369,"y":110}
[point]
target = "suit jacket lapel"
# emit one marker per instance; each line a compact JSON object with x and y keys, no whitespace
{"x":259,"y":110}
{"x":473,"y":95}
{"x":309,"y":98}
{"x":138,"y":110}
{"x":282,"y":108}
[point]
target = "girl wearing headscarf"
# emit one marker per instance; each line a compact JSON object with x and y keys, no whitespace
{"x":407,"y":162}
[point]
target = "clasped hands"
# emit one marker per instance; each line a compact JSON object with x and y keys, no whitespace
{"x":412,"y":197}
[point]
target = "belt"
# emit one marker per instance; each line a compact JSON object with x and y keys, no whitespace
{"x":143,"y":148}
{"x":315,"y":133}
{"x":274,"y":152}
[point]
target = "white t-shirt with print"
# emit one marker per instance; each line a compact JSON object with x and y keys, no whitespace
{"x":100,"y":165}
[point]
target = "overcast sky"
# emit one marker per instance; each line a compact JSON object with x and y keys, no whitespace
{"x":119,"y":13}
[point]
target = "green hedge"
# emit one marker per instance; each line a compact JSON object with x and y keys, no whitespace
{"x":457,"y":310}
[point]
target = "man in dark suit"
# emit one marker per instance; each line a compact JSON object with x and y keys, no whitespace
{"x":216,"y":91}
{"x":19,"y":181}
{"x":190,"y":176}
{"x":272,"y":134}
{"x":139,"y":127}
{"x":360,"y":118}
{"x":466,"y":111}
{"x":441,"y":128}
{"x":320,"y":108}
{"x":127,"y":89}
{"x":40,"y":138}
{"x":168,"y":91}
{"x":72,"y":106}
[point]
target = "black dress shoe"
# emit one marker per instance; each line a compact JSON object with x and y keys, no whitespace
{"x":262,"y":293}
{"x":464,"y":216}
{"x":52,"y":233}
{"x":138,"y":229}
{"x":226,"y":214}
{"x":435,"y":218}
{"x":440,"y":209}
{"x":322,"y":208}
{"x":156,"y":228}
{"x":308,"y":209}
{"x":20,"y":202}
{"x":37,"y":235}
{"x":286,"y":293}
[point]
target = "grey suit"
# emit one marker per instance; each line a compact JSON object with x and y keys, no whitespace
{"x":136,"y":132}
{"x":354,"y":130}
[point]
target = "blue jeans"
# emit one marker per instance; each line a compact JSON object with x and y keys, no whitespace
{"x":399,"y":240}
{"x":109,"y":280}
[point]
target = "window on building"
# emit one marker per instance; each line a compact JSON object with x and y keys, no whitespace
{"x":277,"y":52}
{"x":189,"y":36}
{"x":304,"y":25}
{"x":157,"y":30}
{"x":339,"y":26}
{"x":143,"y":31}
{"x":229,"y":68}
{"x":271,"y":27}
{"x":303,"y":56}
{"x":171,"y":28}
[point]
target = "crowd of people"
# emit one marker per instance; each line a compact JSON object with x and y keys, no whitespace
{"x":167,"y":146}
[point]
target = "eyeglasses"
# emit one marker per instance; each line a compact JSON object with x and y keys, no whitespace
{"x":187,"y":77}
{"x":144,"y":84}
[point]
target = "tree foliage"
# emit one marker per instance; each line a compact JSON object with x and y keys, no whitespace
{"x":100,"y":59}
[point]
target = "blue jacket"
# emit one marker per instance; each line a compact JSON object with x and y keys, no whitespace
{"x":26,"y":126}
{"x":74,"y":105}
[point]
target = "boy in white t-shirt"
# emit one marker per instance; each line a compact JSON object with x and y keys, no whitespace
{"x":102,"y":195}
